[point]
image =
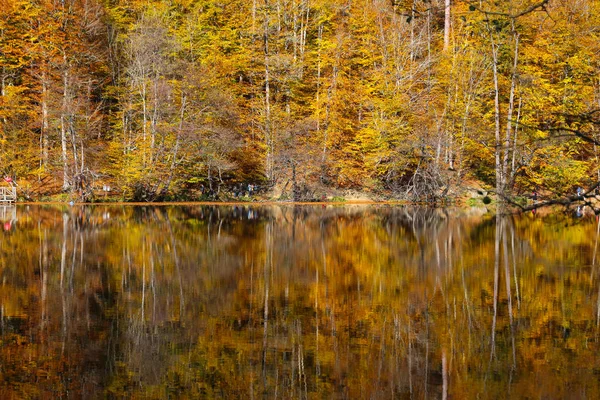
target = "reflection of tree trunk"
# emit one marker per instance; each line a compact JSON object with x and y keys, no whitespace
{"x":410,"y":356}
{"x":252,"y":326}
{"x":267,"y":267}
{"x":426,"y":386}
{"x":594,"y":264}
{"x":598,"y":313}
{"x":293,"y":370}
{"x":302,"y":386}
{"x":596,"y":245}
{"x":509,"y":296}
{"x":177,"y":267}
{"x":496,"y":279}
{"x":153,"y":284}
{"x":179,"y":278}
{"x":63,"y":293}
{"x":336,"y":351}
{"x":143,"y":302}
{"x":467,"y":301}
{"x":514,"y":263}
{"x":63,"y":253}
{"x":44,"y":277}
{"x":76,"y":238}
{"x":444,"y":375}
{"x":317,"y":319}
{"x":382,"y":352}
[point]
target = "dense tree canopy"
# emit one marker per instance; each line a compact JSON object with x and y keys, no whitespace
{"x":413,"y":99}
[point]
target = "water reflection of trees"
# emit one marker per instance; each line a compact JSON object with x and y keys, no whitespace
{"x":296,"y":302}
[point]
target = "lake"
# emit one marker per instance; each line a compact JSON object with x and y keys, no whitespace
{"x":296,"y":302}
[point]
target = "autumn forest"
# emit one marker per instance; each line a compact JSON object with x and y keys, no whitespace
{"x":297,"y":302}
{"x":198,"y":99}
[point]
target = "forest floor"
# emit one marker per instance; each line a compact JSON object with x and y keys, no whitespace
{"x":467,"y":193}
{"x":468,"y":198}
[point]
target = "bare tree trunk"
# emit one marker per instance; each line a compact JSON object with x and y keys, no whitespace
{"x":154,"y":119}
{"x":463,"y":134}
{"x":514,"y":146}
{"x":268,"y":130}
{"x":71,"y":129}
{"x":295,"y":30}
{"x":318,"y":92}
{"x":447,"y":17}
{"x":412,"y":34}
{"x":511,"y":105}
{"x":253,"y":16}
{"x":304,"y":29}
{"x":63,"y":127}
{"x":45,"y":124}
{"x":176,"y":147}
{"x":498,"y":142}
{"x":144,"y":117}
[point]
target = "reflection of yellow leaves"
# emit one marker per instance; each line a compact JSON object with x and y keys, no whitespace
{"x":347,"y":291}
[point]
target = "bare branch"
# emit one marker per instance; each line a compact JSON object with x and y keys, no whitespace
{"x":540,"y":5}
{"x":576,"y":133}
{"x":565,"y":201}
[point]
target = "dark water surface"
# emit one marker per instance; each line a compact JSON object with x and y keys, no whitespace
{"x":300,"y":302}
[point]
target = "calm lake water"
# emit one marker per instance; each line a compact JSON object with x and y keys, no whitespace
{"x":297,"y":302}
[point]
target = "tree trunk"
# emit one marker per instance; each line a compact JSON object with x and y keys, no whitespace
{"x":498,"y":142}
{"x":511,"y":106}
{"x":253,"y":17}
{"x":144,"y":117}
{"x":45,"y":125}
{"x":268,"y":131}
{"x":514,"y":146}
{"x":446,"y":25}
{"x":176,"y":147}
{"x":154,"y":119}
{"x":64,"y":128}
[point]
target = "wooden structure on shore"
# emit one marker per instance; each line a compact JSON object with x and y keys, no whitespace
{"x":8,"y":194}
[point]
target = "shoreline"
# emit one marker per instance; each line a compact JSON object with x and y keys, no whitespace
{"x":219,"y":203}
